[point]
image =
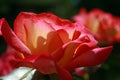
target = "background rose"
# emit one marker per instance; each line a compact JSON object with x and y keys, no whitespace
{"x":51,"y":44}
{"x":104,"y":26}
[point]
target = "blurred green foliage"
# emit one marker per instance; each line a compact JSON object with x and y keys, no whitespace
{"x":9,"y":9}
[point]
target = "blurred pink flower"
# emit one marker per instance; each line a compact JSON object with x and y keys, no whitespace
{"x":104,"y":26}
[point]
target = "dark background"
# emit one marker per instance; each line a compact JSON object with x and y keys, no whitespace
{"x":9,"y":9}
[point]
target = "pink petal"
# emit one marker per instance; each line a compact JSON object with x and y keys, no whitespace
{"x":53,"y":19}
{"x":63,"y":73}
{"x":91,"y":58}
{"x":81,"y":49}
{"x":63,"y":35}
{"x":45,"y":65}
{"x":1,"y":21}
{"x":19,"y":25}
{"x":12,"y":39}
{"x":42,"y":63}
{"x":58,"y":23}
{"x":36,"y":33}
{"x":6,"y":60}
{"x":85,"y":35}
{"x":58,"y":54}
{"x":69,"y":50}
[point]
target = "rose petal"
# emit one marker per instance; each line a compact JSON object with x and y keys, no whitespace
{"x":12,"y":39}
{"x":6,"y":60}
{"x":91,"y":58}
{"x":53,"y":19}
{"x":36,"y":33}
{"x":69,"y":51}
{"x":1,"y":21}
{"x":58,"y":54}
{"x":63,"y":73}
{"x":85,"y":35}
{"x":45,"y":65}
{"x":42,"y":63}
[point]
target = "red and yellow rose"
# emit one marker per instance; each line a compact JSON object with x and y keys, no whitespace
{"x":52,"y":45}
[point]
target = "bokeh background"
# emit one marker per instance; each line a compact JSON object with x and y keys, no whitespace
{"x":9,"y":9}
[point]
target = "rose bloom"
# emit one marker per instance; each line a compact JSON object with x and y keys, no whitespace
{"x":50,"y":44}
{"x":104,"y":26}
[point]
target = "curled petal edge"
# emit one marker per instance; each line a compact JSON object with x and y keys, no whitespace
{"x":12,"y":39}
{"x":91,"y":58}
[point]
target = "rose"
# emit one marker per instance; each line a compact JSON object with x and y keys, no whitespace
{"x":104,"y":26}
{"x":51,"y":44}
